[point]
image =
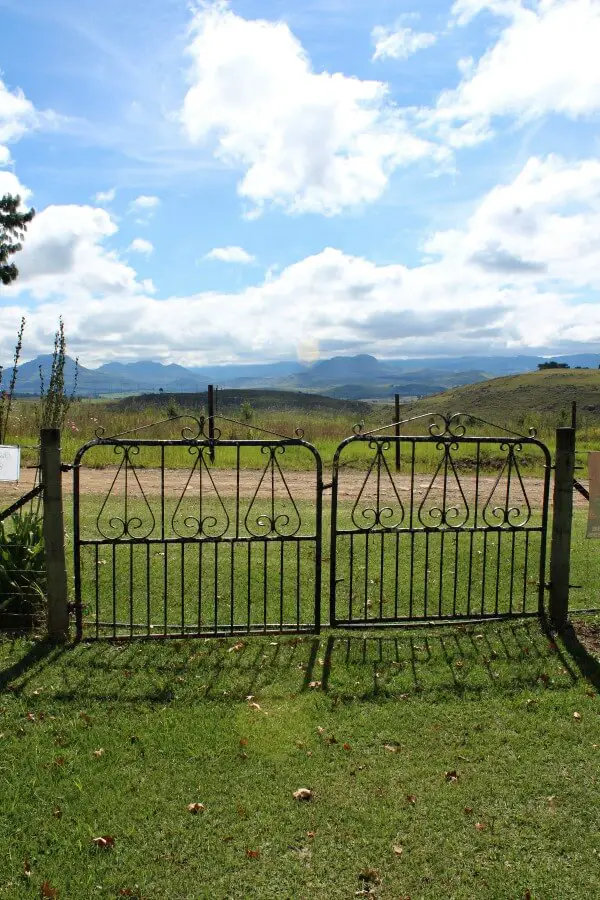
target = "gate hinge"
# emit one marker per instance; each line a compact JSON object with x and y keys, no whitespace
{"x":73,"y":606}
{"x":66,"y":467}
{"x":327,"y":487}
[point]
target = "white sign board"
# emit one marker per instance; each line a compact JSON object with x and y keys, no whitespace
{"x":10,"y":462}
{"x":593,"y":529}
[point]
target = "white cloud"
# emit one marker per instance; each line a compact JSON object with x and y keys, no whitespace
{"x":230,"y":254}
{"x":399,"y":43}
{"x":544,"y":61}
{"x":144,"y":203}
{"x":105,"y":196}
{"x":17,"y":114}
{"x":63,"y":257}
{"x":10,"y":184}
{"x":464,"y":10}
{"x":308,"y":141}
{"x":141,"y":245}
{"x":516,"y":275}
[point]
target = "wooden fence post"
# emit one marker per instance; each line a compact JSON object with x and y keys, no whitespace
{"x":562,"y":520}
{"x":54,"y":535}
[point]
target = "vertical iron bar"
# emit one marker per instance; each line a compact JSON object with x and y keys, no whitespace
{"x":162,"y":492}
{"x":333,"y":541}
{"x":512,"y":572}
{"x":366,"y":572}
{"x":216,"y":595}
{"x":298,"y":584}
{"x":470,"y":578}
{"x":397,"y":575}
{"x":525,"y":568}
{"x":350,"y":576}
{"x":543,"y":536}
{"x":441,"y":572}
{"x":165,"y":589}
{"x":496,"y":606}
{"x":148,"y":588}
{"x":200,"y":544}
{"x":182,"y":589}
{"x":318,"y":542}
{"x":397,"y":429}
{"x":77,"y":558}
{"x":131,"y":590}
{"x":265,"y":564}
{"x":484,"y":571}
{"x":249,"y":581}
{"x":281,"y":546}
{"x":381,"y":561}
{"x":114,"y":589}
{"x":211,"y":422}
{"x":232,"y":579}
{"x":426,"y":594}
{"x":97,"y":579}
{"x":574,"y":415}
{"x":456,"y":560}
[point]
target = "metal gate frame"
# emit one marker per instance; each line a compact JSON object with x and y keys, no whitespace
{"x":272,"y":528}
{"x":447,"y":433}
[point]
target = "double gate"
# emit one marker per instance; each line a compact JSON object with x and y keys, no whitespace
{"x":448,"y":528}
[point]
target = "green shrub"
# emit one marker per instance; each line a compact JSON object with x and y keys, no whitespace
{"x":22,"y":569}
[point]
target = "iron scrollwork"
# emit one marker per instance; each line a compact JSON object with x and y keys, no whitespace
{"x":275,"y":522}
{"x":201,"y":525}
{"x":125,"y":525}
{"x":381,"y":515}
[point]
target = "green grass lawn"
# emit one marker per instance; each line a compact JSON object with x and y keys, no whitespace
{"x":443,"y":763}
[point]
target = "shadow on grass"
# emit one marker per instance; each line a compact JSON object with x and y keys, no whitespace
{"x":587,"y":664}
{"x":36,"y":655}
{"x":464,"y":662}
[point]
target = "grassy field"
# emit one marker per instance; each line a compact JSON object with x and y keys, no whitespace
{"x":442,"y":763}
{"x":538,"y":400}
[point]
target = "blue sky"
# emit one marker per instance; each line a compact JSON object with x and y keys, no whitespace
{"x":262,"y":181}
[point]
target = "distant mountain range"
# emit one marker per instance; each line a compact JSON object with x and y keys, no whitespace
{"x":347,"y":377}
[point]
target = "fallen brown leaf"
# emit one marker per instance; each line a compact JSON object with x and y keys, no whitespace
{"x":252,"y":854}
{"x":57,"y":812}
{"x":320,"y":729}
{"x":26,"y":868}
{"x":452,"y":775}
{"x":87,"y":719}
{"x":314,"y":684}
{"x":98,"y":753}
{"x":544,"y":678}
{"x":255,"y":706}
{"x":239,"y":646}
{"x":105,"y":842}
{"x":195,"y":808}
{"x":577,"y":716}
{"x":30,"y":717}
{"x":47,"y":890}
{"x":468,"y":810}
{"x":369,"y":875}
{"x":332,"y":739}
{"x":393,"y":748}
{"x":310,"y":834}
{"x":346,"y":747}
{"x":303,"y":794}
{"x":411,"y":799}
{"x":480,"y":826}
{"x":243,"y":742}
{"x":398,"y":850}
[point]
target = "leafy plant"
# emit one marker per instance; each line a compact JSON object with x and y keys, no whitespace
{"x":22,"y":569}
{"x":6,"y":397}
{"x":55,"y":401}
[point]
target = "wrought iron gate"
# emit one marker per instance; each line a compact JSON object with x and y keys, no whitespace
{"x":174,"y":545}
{"x":456,"y":544}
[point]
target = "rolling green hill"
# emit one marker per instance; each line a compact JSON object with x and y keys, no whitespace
{"x":521,"y":399}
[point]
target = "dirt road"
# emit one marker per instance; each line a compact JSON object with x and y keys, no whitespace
{"x":301,"y":485}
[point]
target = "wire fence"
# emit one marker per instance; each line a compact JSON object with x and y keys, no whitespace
{"x":22,"y":566}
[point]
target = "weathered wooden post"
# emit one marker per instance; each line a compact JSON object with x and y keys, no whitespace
{"x":397,"y":428}
{"x":54,"y":535}
{"x":562,"y":521}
